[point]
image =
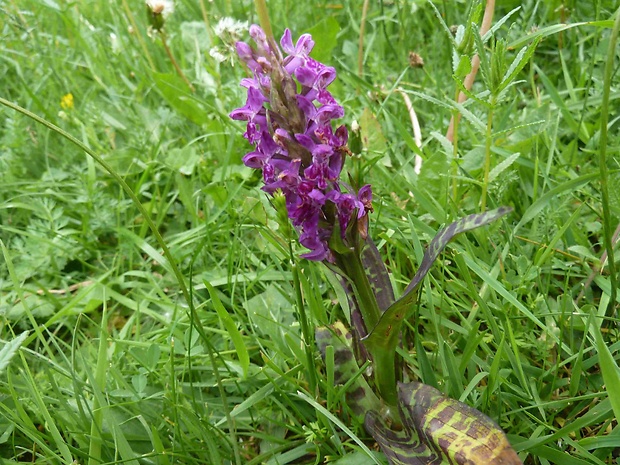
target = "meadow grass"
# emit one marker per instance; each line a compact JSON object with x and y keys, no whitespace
{"x":116,"y":349}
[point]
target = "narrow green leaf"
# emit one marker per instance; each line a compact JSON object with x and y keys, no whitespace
{"x":123,"y":447}
{"x":443,"y":24}
{"x":231,"y":327}
{"x":550,"y":30}
{"x":578,"y":128}
{"x":158,"y":446}
{"x":438,"y":429}
{"x":609,"y":368}
{"x":557,"y":456}
{"x":426,"y":369}
{"x":499,"y":24}
{"x":451,"y":105}
{"x":605,"y":188}
{"x":545,"y":200}
{"x":498,"y":287}
{"x":522,"y":58}
{"x":381,"y":342}
{"x":98,"y":381}
{"x":504,"y":165}
{"x":9,"y":350}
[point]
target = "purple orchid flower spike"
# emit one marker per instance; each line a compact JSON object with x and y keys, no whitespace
{"x":289,"y":114}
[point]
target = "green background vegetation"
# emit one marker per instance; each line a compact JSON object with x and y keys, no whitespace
{"x":112,"y":369}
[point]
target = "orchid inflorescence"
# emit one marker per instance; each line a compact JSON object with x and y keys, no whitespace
{"x":289,"y":113}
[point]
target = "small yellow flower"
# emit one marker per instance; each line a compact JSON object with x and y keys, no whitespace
{"x":66,"y":102}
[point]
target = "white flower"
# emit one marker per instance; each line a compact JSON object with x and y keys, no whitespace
{"x":161,"y":7}
{"x":217,"y":55}
{"x":230,"y":27}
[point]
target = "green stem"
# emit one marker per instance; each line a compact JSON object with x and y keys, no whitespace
{"x":138,"y":35}
{"x":455,"y":151}
{"x":263,"y":17}
{"x":609,"y":68}
{"x":205,"y":18}
{"x":307,"y":339}
{"x":178,"y":69}
{"x":96,"y":425}
{"x":487,"y":157}
{"x":360,"y":46}
{"x":384,"y":366}
{"x":366,"y":300}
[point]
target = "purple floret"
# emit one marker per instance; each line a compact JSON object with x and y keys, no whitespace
{"x":289,"y":114}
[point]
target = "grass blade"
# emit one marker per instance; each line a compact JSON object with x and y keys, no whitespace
{"x":607,"y":226}
{"x":609,"y":368}
{"x":231,"y":327}
{"x":9,"y":350}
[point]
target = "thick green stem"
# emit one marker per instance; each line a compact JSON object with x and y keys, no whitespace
{"x":366,"y":300}
{"x":384,"y":367}
{"x":360,"y":47}
{"x":384,"y":363}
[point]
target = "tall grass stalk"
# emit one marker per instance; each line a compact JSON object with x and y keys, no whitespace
{"x":263,"y":17}
{"x":96,"y":426}
{"x":607,"y":226}
{"x":487,"y":155}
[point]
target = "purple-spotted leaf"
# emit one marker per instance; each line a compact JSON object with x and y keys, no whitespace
{"x":360,"y":397}
{"x":385,"y":334}
{"x":379,"y":281}
{"x":439,"y":430}
{"x":377,"y":275}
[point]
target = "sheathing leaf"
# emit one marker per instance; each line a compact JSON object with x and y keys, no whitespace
{"x":360,"y":397}
{"x":377,"y":275}
{"x":440,"y":430}
{"x":388,"y":327}
{"x":379,"y":280}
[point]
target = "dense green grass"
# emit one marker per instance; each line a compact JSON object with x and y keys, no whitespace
{"x":116,"y":366}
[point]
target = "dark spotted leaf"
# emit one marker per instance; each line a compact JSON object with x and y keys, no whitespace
{"x":377,"y":275}
{"x":385,"y":334}
{"x":360,"y":397}
{"x":381,"y":285}
{"x":438,"y":430}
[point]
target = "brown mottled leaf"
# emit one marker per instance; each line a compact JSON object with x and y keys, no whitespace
{"x":360,"y":397}
{"x":377,"y":275}
{"x":440,"y":430}
{"x":384,"y":336}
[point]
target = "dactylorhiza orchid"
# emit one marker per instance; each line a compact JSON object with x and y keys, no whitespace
{"x":289,"y":114}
